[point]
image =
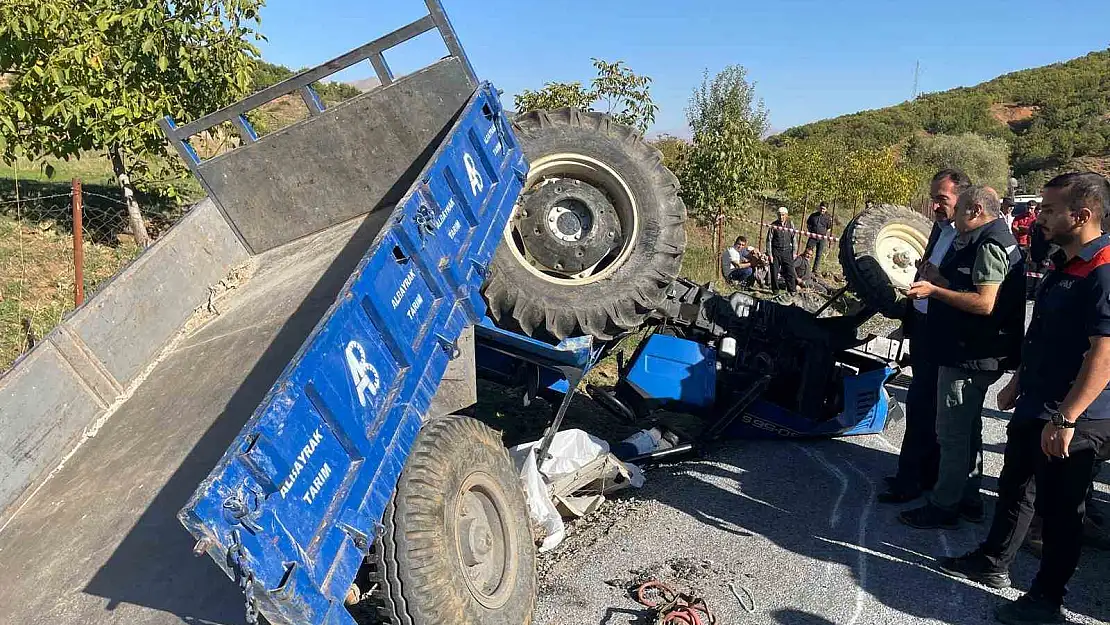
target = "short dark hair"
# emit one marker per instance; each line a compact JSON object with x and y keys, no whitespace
{"x":1084,"y":190}
{"x":956,"y":177}
{"x":824,"y":205}
{"x":740,"y":239}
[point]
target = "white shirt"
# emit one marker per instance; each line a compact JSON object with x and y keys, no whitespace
{"x":947,"y":236}
{"x":1009,"y":219}
{"x":729,"y":258}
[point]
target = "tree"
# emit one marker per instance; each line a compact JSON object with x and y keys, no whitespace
{"x":616,"y":90}
{"x":818,"y":169}
{"x":727,"y":96}
{"x":985,"y":160}
{"x":728,"y":161}
{"x":97,"y":75}
{"x":676,"y":153}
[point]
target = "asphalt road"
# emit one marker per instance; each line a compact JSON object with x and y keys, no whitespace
{"x":798,"y":524}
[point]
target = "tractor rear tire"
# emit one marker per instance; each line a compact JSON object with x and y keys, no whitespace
{"x":456,"y":547}
{"x":879,"y":251}
{"x":597,"y":236}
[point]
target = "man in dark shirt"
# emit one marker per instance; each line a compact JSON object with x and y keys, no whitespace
{"x":807,"y":279}
{"x":818,"y":223}
{"x":781,"y":247}
{"x":1061,"y":402}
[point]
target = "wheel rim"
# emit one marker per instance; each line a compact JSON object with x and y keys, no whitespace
{"x":899,"y":248}
{"x":485,"y":543}
{"x":593,"y":172}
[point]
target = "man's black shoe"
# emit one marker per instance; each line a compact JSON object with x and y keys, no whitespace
{"x":973,"y":511}
{"x":898,"y":495}
{"x":1030,"y":609}
{"x":930,"y":517}
{"x":976,"y":567}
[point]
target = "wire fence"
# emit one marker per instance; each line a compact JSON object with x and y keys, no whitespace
{"x":57,"y":247}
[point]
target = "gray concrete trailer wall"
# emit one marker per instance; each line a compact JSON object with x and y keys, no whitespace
{"x":74,"y":376}
{"x":358,"y":157}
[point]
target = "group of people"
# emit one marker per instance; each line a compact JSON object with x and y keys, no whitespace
{"x":966,"y":327}
{"x":780,"y":264}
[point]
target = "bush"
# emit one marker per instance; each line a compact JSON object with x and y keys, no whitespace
{"x":986,"y":160}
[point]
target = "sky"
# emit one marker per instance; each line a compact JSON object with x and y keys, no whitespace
{"x":810,"y":59}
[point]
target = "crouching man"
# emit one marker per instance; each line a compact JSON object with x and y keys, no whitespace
{"x":1061,"y":401}
{"x":976,"y":322}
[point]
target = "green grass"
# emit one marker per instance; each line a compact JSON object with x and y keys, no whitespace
{"x":37,"y":278}
{"x":36,"y":242}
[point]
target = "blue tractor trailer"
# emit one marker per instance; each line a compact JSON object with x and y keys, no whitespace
{"x":257,"y":420}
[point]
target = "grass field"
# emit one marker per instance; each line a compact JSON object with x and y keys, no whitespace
{"x":36,"y":243}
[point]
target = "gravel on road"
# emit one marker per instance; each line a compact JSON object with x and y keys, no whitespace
{"x":796,"y":523}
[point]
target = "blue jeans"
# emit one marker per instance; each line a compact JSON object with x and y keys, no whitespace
{"x":740,"y":275}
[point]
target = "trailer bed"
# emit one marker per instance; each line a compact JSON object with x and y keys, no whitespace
{"x":100,"y":543}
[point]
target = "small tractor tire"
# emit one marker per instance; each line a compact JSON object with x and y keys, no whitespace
{"x":456,"y":547}
{"x":879,"y":251}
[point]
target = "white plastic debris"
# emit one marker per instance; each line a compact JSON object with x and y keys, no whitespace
{"x":574,"y":479}
{"x":540,"y":506}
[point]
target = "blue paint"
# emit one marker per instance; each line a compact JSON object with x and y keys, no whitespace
{"x":306,"y":482}
{"x":866,"y":408}
{"x":671,"y":369}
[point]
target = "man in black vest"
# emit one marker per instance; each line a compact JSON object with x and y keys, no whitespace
{"x":1061,"y":401}
{"x":780,"y":247}
{"x":976,"y":323}
{"x":919,"y":458}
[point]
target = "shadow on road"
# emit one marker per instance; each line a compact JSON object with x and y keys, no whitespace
{"x":798,"y":617}
{"x":818,"y":499}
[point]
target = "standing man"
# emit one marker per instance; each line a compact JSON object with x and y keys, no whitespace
{"x":818,"y":223}
{"x":1061,"y":401}
{"x":1023,"y":227}
{"x":781,"y":244}
{"x":919,"y":457}
{"x":735,"y":266}
{"x":976,"y":324}
{"x":1008,"y":211}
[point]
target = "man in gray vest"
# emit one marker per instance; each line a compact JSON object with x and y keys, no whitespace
{"x":976,"y":323}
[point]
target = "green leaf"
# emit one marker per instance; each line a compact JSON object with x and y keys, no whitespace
{"x":163,"y":63}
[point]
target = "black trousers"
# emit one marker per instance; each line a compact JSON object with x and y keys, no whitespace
{"x":1057,"y":488}
{"x":783,"y":261}
{"x":818,"y":246}
{"x":919,"y":459}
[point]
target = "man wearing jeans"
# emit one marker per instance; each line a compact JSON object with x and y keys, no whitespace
{"x":976,"y":322}
{"x":1061,"y":401}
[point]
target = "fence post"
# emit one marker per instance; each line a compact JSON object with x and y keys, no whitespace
{"x":78,"y":247}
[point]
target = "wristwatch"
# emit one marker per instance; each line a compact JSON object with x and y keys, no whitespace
{"x":1058,"y":418}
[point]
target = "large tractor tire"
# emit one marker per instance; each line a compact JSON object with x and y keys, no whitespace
{"x":879,"y":251}
{"x":456,"y":546}
{"x":597,"y":235}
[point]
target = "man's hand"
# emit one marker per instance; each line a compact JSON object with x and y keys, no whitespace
{"x":1007,"y":397}
{"x":1056,"y":441}
{"x":931,"y":273}
{"x":921,"y":290}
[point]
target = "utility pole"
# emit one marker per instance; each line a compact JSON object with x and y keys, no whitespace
{"x":916,"y":79}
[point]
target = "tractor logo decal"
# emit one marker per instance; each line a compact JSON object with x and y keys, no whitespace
{"x":476,"y":183}
{"x":363,"y":374}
